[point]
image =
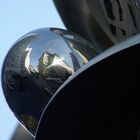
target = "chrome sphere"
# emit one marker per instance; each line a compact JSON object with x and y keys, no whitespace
{"x":36,"y":66}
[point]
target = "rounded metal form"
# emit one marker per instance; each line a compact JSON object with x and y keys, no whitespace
{"x":35,"y":67}
{"x":119,"y":19}
{"x":106,"y":108}
{"x":104,"y":22}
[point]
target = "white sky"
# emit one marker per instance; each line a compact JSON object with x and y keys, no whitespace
{"x":18,"y":17}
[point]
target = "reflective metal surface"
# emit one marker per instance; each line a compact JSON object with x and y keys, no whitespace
{"x":103,"y":22}
{"x":36,"y":66}
{"x":107,"y":107}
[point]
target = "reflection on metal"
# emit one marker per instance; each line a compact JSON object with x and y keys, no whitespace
{"x":137,"y":2}
{"x":107,"y":107}
{"x":36,"y":66}
{"x":104,"y":22}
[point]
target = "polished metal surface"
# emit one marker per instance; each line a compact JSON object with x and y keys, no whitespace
{"x":107,"y":107}
{"x":35,"y":67}
{"x":103,"y":22}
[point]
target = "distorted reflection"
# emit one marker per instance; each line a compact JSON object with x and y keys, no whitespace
{"x":27,"y":58}
{"x":36,"y":66}
{"x":54,"y":70}
{"x":137,"y":3}
{"x":122,"y":17}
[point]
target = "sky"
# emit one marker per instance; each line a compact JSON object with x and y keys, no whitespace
{"x":18,"y":17}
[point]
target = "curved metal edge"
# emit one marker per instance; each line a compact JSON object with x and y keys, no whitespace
{"x":106,"y":54}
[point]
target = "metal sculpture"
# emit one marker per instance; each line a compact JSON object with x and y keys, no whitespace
{"x":104,"y":22}
{"x":101,"y":101}
{"x":36,"y":66}
{"x":56,"y":96}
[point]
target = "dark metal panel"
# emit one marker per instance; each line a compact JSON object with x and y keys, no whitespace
{"x":77,"y":16}
{"x":103,"y":22}
{"x":101,"y":101}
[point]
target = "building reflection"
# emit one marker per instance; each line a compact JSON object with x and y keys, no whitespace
{"x":26,"y":58}
{"x":54,"y":71}
{"x":36,"y":66}
{"x":29,"y":84}
{"x":17,"y":62}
